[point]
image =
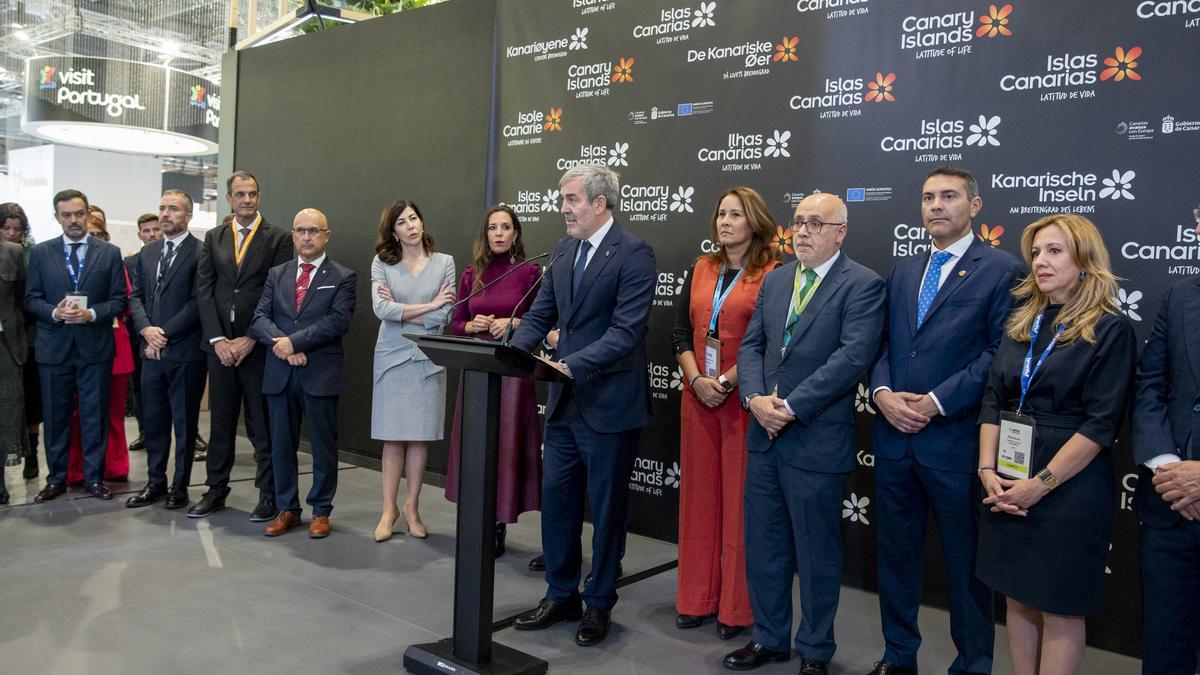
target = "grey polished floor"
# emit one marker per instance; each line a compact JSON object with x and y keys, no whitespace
{"x":90,"y":586}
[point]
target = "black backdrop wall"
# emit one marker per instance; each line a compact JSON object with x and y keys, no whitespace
{"x":1073,"y":105}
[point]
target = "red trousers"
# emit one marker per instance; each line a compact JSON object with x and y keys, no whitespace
{"x":116,"y":455}
{"x":712,"y":543}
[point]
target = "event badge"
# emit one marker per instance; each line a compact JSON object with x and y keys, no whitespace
{"x":1015,"y":453}
{"x":712,"y":356}
{"x":80,"y":300}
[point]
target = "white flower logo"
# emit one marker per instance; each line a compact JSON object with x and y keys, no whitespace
{"x":1118,"y":186}
{"x":777,"y":145}
{"x":862,"y":401}
{"x":579,"y":39}
{"x":984,"y":133}
{"x":679,"y":282}
{"x":616,"y":154}
{"x":855,"y":508}
{"x":677,"y":379}
{"x":673,"y":475}
{"x":550,"y":200}
{"x":682,"y":200}
{"x":1128,"y":303}
{"x":704,"y":15}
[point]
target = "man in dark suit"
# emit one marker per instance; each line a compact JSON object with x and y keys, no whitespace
{"x":598,"y":297}
{"x":233,"y":265}
{"x":946,"y":314}
{"x":173,"y":368}
{"x":812,"y":337}
{"x":12,"y":325}
{"x":305,"y":310}
{"x":149,"y":230}
{"x":1166,"y":437}
{"x":76,"y":287}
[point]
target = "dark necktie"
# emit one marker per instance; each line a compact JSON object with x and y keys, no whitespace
{"x":164,"y":264}
{"x":580,"y":265}
{"x":75,"y":261}
{"x":302,"y":282}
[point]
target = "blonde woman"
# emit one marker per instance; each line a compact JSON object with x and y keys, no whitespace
{"x":1043,"y":539}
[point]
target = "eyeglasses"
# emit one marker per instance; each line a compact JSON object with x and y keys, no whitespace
{"x":812,"y":226}
{"x":308,"y":231}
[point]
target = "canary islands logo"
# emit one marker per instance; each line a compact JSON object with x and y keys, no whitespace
{"x":995,"y":22}
{"x":46,"y":80}
{"x":990,"y":234}
{"x":623,"y":71}
{"x":196,"y":96}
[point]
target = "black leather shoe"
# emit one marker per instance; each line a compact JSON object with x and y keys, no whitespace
{"x":501,"y":531}
{"x":138,"y":443}
{"x":727,"y":632}
{"x":209,"y":504}
{"x":689,"y":620}
{"x":3,"y":498}
{"x":588,"y":579}
{"x":99,"y":491}
{"x":549,"y":612}
{"x":146,"y":497}
{"x":51,"y":491}
{"x":813,"y":667}
{"x":177,"y":498}
{"x":885,"y":668}
{"x":538,"y":564}
{"x":593,"y":628}
{"x":752,"y":656}
{"x":31,"y":468}
{"x":266,"y":510}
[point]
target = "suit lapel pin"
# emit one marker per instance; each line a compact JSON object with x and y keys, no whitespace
{"x":962,"y":273}
{"x":607,"y":253}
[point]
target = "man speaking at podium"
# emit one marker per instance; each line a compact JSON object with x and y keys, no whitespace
{"x":598,"y":297}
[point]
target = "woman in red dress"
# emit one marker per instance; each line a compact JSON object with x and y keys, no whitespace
{"x":498,"y":249}
{"x":721,"y":289}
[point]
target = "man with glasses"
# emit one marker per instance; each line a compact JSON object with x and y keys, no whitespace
{"x":1166,"y":437}
{"x":76,"y":288}
{"x":946,"y":314}
{"x":229,"y":281}
{"x":304,"y":311}
{"x":813,"y":334}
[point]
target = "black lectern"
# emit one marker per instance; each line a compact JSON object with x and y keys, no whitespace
{"x":470,"y":649}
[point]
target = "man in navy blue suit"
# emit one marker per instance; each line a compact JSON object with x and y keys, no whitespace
{"x":304,"y":311}
{"x":1166,"y":437}
{"x":812,"y":337}
{"x":76,"y":288}
{"x":598,"y":295}
{"x":946,"y":314}
{"x":163,"y":304}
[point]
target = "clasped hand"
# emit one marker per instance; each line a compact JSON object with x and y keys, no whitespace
{"x":906,"y":411}
{"x":1011,"y":496}
{"x":69,"y":312}
{"x":709,"y":391}
{"x":1179,"y":485}
{"x":771,"y":413}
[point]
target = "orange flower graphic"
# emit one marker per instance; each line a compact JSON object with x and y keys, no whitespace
{"x":623,"y":72}
{"x":1122,"y":66}
{"x":991,"y":235}
{"x":881,"y":88}
{"x":553,"y":120}
{"x":783,"y":240}
{"x":787,"y":50}
{"x":995,"y":23}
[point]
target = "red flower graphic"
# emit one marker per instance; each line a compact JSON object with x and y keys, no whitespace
{"x":881,"y":88}
{"x":991,"y":235}
{"x":995,"y":23}
{"x":553,"y":120}
{"x":787,"y":50}
{"x":1122,"y":66}
{"x":623,"y":72}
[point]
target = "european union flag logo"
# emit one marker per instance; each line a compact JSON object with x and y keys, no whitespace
{"x":856,"y":194}
{"x":683,"y":109}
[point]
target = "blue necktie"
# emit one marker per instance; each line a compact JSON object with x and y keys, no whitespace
{"x":580,"y":264}
{"x":929,"y":287}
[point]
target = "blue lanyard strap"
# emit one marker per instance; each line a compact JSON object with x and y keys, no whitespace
{"x":71,"y":270}
{"x":719,"y":296}
{"x":1029,"y":369}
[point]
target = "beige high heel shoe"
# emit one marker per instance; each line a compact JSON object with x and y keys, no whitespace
{"x":416,"y":529}
{"x":387,"y":523}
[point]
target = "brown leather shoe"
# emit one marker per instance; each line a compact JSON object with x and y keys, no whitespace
{"x":318,"y":527}
{"x":283,"y":522}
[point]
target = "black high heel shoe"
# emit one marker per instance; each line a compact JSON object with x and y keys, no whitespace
{"x":501,"y":531}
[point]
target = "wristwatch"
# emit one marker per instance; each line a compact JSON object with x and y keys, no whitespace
{"x":1048,"y":478}
{"x":746,"y":400}
{"x":725,"y":384}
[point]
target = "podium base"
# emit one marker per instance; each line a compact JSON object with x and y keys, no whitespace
{"x":438,"y":657}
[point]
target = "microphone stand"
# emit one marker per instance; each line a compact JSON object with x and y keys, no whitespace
{"x":493,"y":282}
{"x":508,"y":329}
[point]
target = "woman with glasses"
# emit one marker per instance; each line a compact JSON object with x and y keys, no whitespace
{"x":721,"y":290}
{"x":1056,"y":396}
{"x":412,"y":290}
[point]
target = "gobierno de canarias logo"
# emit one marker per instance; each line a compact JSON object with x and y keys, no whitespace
{"x":47,"y":78}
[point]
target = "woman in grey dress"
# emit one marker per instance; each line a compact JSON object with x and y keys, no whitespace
{"x":412,"y":291}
